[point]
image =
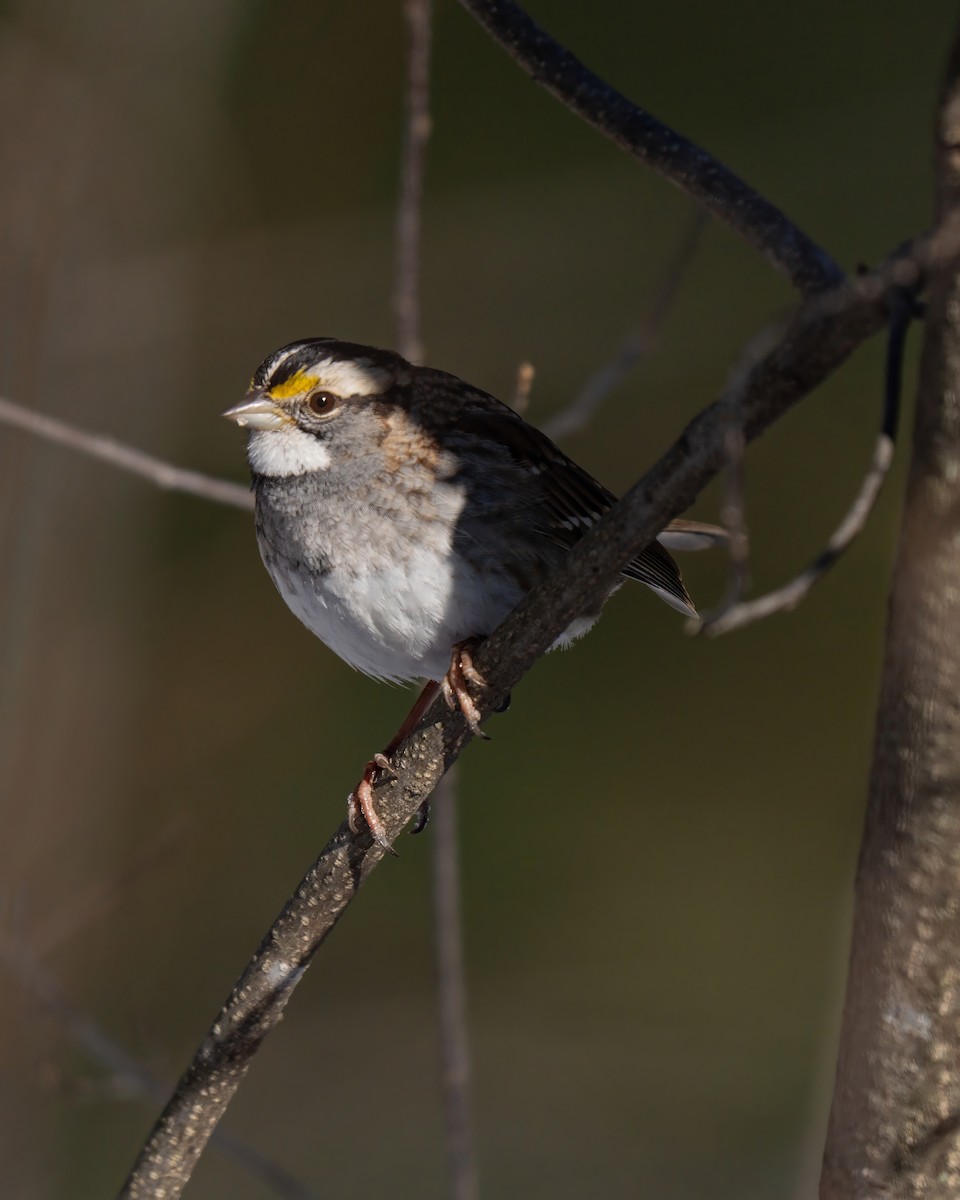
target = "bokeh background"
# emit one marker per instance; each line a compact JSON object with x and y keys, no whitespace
{"x":659,"y":843}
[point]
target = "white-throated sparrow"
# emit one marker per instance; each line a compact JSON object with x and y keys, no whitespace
{"x":402,"y":514}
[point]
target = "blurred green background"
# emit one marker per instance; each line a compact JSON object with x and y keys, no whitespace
{"x":658,"y":844}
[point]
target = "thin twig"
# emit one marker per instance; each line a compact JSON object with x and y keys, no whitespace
{"x":452,"y":991}
{"x":691,"y":168}
{"x":444,"y":849}
{"x":637,"y":345}
{"x":783,"y":599}
{"x":823,"y":334}
{"x":131,"y":1076}
{"x":733,"y":513}
{"x":108,"y":450}
{"x":526,"y":373}
{"x":733,"y":508}
{"x":406,"y":300}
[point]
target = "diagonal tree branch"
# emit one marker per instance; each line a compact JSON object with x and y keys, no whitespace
{"x":820,"y":338}
{"x":808,"y":267}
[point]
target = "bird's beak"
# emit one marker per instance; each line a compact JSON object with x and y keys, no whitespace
{"x":257,"y":413}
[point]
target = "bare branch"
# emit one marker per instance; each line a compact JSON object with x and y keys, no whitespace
{"x":44,"y":989}
{"x":735,"y":614}
{"x":733,"y":517}
{"x":452,"y":991}
{"x":444,"y":849}
{"x":636,"y":346}
{"x":95,"y":445}
{"x":809,"y":268}
{"x":786,"y":598}
{"x":733,"y":508}
{"x":406,"y":300}
{"x":821,"y":336}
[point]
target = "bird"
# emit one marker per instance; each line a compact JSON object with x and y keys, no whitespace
{"x":402,"y":513}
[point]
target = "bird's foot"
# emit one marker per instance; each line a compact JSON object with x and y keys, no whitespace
{"x":360,"y":802}
{"x":421,"y":818}
{"x":360,"y":805}
{"x":454,"y":684}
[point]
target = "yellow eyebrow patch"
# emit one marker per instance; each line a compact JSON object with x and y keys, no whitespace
{"x":298,"y":383}
{"x":356,"y":377}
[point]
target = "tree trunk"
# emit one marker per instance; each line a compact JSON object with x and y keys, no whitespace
{"x":895,"y":1123}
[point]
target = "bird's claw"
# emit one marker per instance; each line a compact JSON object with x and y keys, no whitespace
{"x":422,"y":817}
{"x":454,"y":685}
{"x":360,"y":804}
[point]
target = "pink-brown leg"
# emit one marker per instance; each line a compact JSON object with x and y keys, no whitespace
{"x":360,"y":804}
{"x":454,"y":684}
{"x":455,"y":692}
{"x":454,"y":688}
{"x":360,"y":801}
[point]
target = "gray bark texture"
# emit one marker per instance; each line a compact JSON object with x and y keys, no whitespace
{"x":895,"y":1122}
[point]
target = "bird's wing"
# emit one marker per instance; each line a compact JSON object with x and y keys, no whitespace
{"x":572,"y":500}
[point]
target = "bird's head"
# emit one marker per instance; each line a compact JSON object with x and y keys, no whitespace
{"x":309,"y":393}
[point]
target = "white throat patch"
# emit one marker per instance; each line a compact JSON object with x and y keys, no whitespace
{"x":287,"y":451}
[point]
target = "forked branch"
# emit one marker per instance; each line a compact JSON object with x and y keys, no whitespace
{"x":737,"y":613}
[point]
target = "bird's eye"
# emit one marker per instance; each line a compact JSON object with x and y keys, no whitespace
{"x":322,"y":403}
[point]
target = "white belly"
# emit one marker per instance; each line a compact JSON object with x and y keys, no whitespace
{"x":393,"y":615}
{"x":398,"y":622}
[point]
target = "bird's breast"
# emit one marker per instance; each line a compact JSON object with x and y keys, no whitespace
{"x":377,"y":578}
